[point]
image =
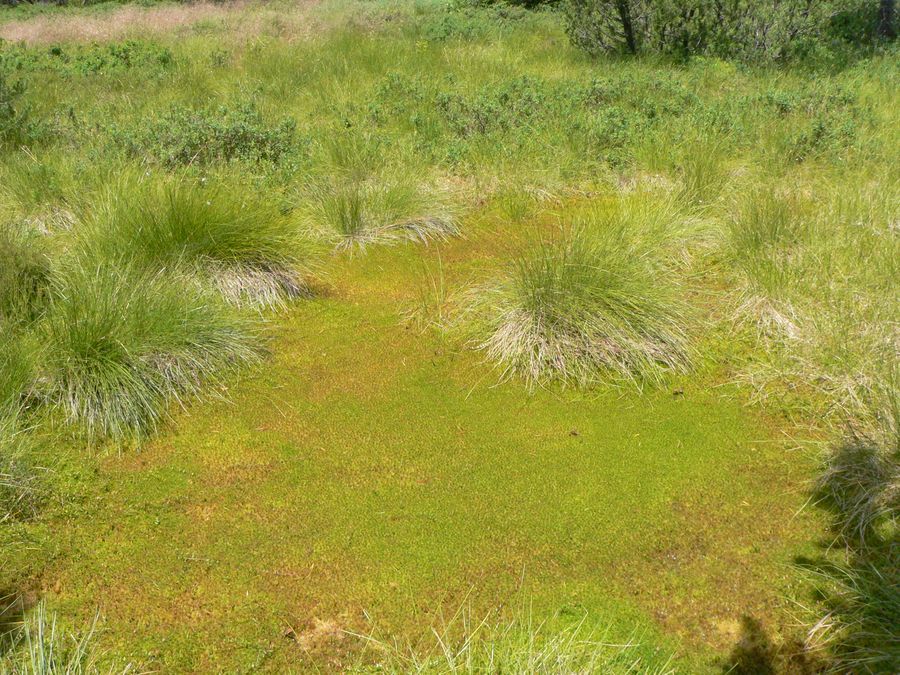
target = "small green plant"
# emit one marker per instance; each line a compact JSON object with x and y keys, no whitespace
{"x":251,"y":253}
{"x":123,"y":343}
{"x":596,"y":303}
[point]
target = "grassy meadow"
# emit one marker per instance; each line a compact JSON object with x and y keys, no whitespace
{"x":399,"y":336}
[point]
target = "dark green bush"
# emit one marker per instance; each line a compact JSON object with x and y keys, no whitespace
{"x":746,"y":29}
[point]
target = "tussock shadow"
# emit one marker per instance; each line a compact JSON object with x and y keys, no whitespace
{"x":857,"y":575}
{"x":756,"y":653}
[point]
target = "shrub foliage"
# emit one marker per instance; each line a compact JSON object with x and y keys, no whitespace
{"x":750,"y":29}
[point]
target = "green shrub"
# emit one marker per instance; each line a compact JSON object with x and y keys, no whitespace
{"x":774,"y":29}
{"x":183,"y":137}
{"x":510,"y":106}
{"x":597,"y":303}
{"x":474,"y":21}
{"x":122,"y":343}
{"x":250,"y":252}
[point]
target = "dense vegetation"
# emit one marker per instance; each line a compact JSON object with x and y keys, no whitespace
{"x":718,"y":210}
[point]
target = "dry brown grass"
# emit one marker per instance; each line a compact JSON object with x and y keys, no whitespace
{"x":237,"y":17}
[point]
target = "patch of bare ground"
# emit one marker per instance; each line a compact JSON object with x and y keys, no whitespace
{"x":241,"y":18}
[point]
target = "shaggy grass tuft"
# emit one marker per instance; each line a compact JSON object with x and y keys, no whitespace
{"x":596,"y":304}
{"x":40,"y":647}
{"x":24,"y":274}
{"x":123,"y":343}
{"x":518,"y":645}
{"x":20,"y":479}
{"x":357,"y":214}
{"x":252,"y":254}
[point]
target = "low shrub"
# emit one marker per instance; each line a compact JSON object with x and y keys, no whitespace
{"x":474,"y":21}
{"x":123,"y":343}
{"x":510,"y":106}
{"x":771,"y":30}
{"x":184,"y":137}
{"x":250,"y":252}
{"x":596,"y":303}
{"x":100,"y":58}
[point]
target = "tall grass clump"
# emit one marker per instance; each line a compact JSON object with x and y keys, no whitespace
{"x":21,"y":489}
{"x":24,"y":273}
{"x":521,"y":644}
{"x":251,"y":253}
{"x":858,"y":631}
{"x":18,"y":363}
{"x":122,"y":343}
{"x":860,"y":590}
{"x":41,"y":647}
{"x":354,"y":214}
{"x":599,"y":302}
{"x":41,"y":191}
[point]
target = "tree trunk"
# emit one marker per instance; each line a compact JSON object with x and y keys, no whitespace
{"x":886,"y":27}
{"x":624,"y":8}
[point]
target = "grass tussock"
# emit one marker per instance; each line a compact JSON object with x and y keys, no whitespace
{"x":21,"y":488}
{"x":41,"y":647}
{"x":857,"y":633}
{"x":599,"y":303}
{"x":354,"y":214}
{"x":519,"y":645}
{"x":122,"y":343}
{"x":24,"y":274}
{"x":18,"y":365}
{"x":251,"y":253}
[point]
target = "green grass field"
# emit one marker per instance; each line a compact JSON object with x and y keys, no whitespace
{"x":329,"y":326}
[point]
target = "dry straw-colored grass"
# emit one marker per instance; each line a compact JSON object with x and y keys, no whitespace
{"x":240,"y":18}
